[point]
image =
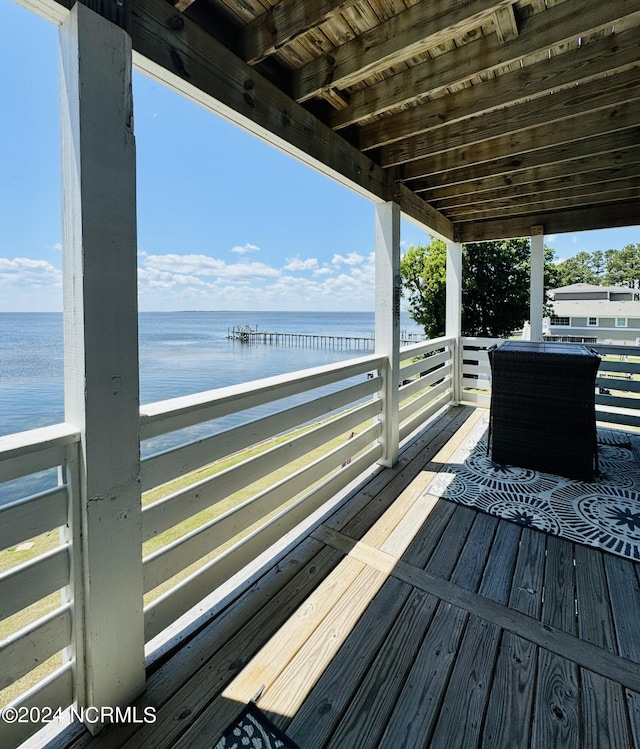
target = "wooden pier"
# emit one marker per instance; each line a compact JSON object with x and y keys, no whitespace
{"x":248,"y":334}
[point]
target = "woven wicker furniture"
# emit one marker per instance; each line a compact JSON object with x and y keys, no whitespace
{"x":543,"y":407}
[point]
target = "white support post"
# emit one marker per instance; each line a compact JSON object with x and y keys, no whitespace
{"x":453,"y":312}
{"x":387,"y":309}
{"x":101,"y":350}
{"x":537,"y":282}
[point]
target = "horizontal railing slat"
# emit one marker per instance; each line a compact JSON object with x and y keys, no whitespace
{"x":425,"y":347}
{"x":34,"y":645}
{"x":423,"y":400}
{"x":35,"y":450}
{"x":32,"y":516}
{"x":179,"y":413}
{"x":417,"y":386}
{"x":617,"y":401}
{"x":158,"y":469}
{"x":185,"y":551}
{"x":166,"y":609}
{"x":56,"y":691}
{"x":408,"y":425}
{"x":614,"y":417}
{"x":483,"y":399}
{"x":477,"y":369}
{"x":617,"y":383}
{"x":33,"y":580}
{"x":479,"y":342}
{"x":473,"y":379}
{"x":166,"y":513}
{"x":424,"y":365}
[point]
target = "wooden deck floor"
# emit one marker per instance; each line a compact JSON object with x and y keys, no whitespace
{"x":405,"y":621}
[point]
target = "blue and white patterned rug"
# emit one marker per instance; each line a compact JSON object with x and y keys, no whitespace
{"x":604,"y":513}
{"x":253,"y":730}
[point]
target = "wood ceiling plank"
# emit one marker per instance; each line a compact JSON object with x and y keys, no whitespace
{"x":579,"y":219}
{"x":612,"y":57}
{"x":466,"y":133}
{"x":583,"y":183}
{"x":567,"y":133}
{"x":609,"y":192}
{"x":608,"y":164}
{"x":194,"y":64}
{"x":538,"y":35}
{"x":611,"y":147}
{"x":284,"y":22}
{"x":391,"y":42}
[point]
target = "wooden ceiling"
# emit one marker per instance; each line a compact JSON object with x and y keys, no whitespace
{"x":481,"y":118}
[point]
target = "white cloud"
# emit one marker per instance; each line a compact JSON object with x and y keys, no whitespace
{"x":297,"y":264}
{"x":203,"y":265}
{"x":22,"y":271}
{"x":353,"y":258}
{"x":245,"y":249}
{"x":550,"y":237}
{"x":195,"y":281}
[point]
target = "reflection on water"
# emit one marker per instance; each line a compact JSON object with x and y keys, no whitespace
{"x":180,"y":353}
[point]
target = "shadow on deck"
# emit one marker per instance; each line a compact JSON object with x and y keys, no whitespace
{"x":405,"y":620}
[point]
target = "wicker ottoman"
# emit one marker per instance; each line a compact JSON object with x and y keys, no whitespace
{"x":543,"y":407}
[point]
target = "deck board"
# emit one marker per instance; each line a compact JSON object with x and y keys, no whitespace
{"x":556,"y":720}
{"x":469,"y":686}
{"x":557,"y":711}
{"x":406,"y":620}
{"x":369,"y":648}
{"x":418,"y":706}
{"x":366,"y":717}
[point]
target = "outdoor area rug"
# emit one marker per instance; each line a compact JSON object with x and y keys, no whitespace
{"x":604,"y":513}
{"x":253,"y":730}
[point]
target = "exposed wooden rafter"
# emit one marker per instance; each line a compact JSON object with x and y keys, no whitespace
{"x":284,"y":22}
{"x":480,"y":118}
{"x":506,"y":24}
{"x":401,"y":37}
{"x":540,"y":33}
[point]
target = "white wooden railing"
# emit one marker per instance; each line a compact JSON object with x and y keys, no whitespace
{"x":215,"y":503}
{"x":426,"y":381}
{"x":339,"y":431}
{"x":37,"y":596}
{"x":476,"y":373}
{"x":619,"y":405}
{"x":310,"y":435}
{"x":294,"y":442}
{"x":323,"y":419}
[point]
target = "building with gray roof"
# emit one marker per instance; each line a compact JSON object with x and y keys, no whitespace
{"x":587,"y":313}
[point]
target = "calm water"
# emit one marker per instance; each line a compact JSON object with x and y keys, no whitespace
{"x":180,"y":353}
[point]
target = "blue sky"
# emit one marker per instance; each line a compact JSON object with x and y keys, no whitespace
{"x":224,"y":220}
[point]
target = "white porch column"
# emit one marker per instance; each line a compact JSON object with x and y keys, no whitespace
{"x":101,"y":349}
{"x":536,"y":304}
{"x":453,"y":312}
{"x":388,"y":286}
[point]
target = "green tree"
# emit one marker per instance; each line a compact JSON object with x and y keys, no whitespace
{"x":582,"y":268}
{"x":423,"y":271}
{"x":495,"y":289}
{"x":495,"y":295}
{"x":623,"y":266}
